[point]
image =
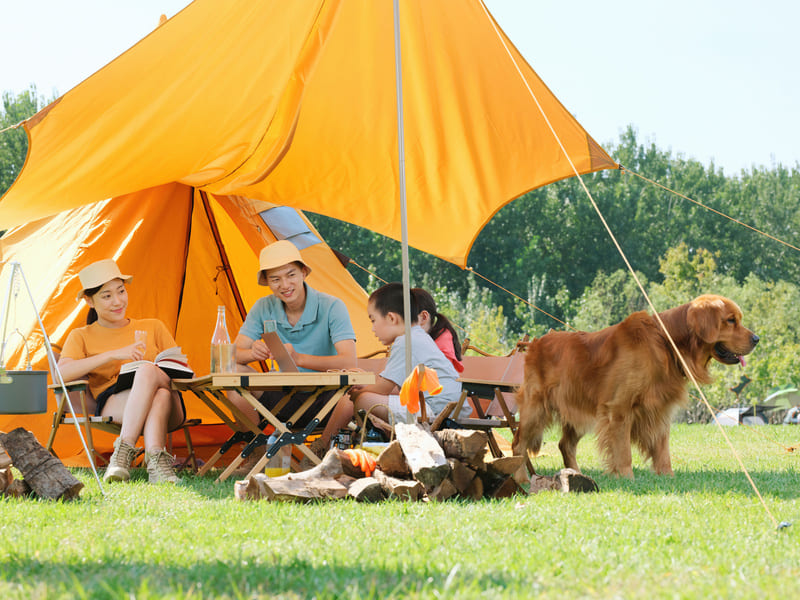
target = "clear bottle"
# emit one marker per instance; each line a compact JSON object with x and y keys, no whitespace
{"x":281,"y":462}
{"x":218,"y":339}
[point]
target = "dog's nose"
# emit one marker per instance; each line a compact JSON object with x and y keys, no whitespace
{"x":754,"y":339}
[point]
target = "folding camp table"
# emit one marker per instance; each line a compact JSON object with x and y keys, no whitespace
{"x":210,"y":389}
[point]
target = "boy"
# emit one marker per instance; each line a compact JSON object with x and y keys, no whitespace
{"x":385,"y":310}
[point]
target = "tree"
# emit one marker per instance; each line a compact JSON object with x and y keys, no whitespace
{"x":14,"y":142}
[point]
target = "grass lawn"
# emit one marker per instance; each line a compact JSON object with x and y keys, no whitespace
{"x":702,"y":534}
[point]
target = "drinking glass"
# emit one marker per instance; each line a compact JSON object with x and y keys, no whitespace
{"x":140,"y":338}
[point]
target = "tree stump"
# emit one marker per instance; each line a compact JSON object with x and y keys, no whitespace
{"x":44,"y":473}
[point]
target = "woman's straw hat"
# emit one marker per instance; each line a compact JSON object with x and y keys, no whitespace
{"x":275,"y":255}
{"x":99,"y":273}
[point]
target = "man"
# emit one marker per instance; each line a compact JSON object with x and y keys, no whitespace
{"x":314,"y":327}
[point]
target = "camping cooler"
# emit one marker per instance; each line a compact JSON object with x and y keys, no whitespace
{"x":23,"y":392}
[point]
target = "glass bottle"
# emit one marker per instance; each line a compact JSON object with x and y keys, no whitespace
{"x":220,"y":341}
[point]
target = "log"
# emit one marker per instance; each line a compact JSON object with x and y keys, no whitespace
{"x":366,"y":489}
{"x":249,"y":489}
{"x":508,"y":488}
{"x":505,"y":465}
{"x":575,"y":481}
{"x":443,"y":491}
{"x":259,"y":486}
{"x":492,"y":481}
{"x":6,"y":477}
{"x":461,"y":475}
{"x":468,"y":445}
{"x":18,"y":488}
{"x":436,"y":424}
{"x":424,"y":455}
{"x":5,"y":459}
{"x":475,"y":489}
{"x":566,"y":480}
{"x":404,"y":489}
{"x":44,"y":473}
{"x":334,"y":464}
{"x":392,"y":461}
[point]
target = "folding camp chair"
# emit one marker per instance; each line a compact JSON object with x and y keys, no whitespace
{"x":85,"y":417}
{"x":489,"y":382}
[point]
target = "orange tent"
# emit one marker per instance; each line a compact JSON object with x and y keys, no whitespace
{"x":295,"y":104}
{"x":188,"y":251}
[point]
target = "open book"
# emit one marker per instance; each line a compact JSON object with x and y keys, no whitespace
{"x":172,"y":361}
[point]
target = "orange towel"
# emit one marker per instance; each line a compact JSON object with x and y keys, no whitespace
{"x":414,"y":384}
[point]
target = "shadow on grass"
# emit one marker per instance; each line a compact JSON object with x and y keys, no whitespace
{"x":776,"y":484}
{"x":273,"y":576}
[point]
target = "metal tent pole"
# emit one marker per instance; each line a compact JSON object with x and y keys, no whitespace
{"x":402,"y":172}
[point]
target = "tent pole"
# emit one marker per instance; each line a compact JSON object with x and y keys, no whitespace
{"x":16,"y":270}
{"x":402,"y":173}
{"x":223,"y":255}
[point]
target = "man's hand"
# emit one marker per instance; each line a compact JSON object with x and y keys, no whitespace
{"x":260,"y":351}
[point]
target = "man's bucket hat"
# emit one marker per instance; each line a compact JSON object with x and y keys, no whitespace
{"x":282,"y":252}
{"x":99,"y":273}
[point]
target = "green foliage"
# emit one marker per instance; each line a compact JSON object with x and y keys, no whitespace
{"x":549,"y":245}
{"x":608,"y":300}
{"x":14,"y":143}
{"x":475,"y":317}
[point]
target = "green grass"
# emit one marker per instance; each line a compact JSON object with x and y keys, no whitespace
{"x":702,"y":534}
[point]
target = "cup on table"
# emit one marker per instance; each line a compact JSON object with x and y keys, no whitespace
{"x":140,"y":338}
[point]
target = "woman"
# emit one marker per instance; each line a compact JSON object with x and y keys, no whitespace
{"x":97,"y":351}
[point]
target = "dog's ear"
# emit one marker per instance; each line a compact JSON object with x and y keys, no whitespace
{"x":704,"y":317}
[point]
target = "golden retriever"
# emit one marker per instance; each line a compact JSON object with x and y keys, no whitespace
{"x":625,"y":381}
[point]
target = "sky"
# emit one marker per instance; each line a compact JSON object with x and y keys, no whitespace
{"x":710,"y":80}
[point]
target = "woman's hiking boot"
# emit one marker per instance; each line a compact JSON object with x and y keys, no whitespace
{"x":119,"y":467}
{"x":159,"y":467}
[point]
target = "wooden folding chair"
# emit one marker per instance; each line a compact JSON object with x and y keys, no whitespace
{"x":85,"y":417}
{"x":489,"y":382}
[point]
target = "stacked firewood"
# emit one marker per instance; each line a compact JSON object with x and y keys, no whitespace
{"x":418,"y":465}
{"x":43,"y":474}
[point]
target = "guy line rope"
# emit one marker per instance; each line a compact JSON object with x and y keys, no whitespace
{"x":638,"y":283}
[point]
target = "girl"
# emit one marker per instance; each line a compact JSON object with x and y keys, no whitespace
{"x":96,"y":352}
{"x":385,"y":309}
{"x":438,"y":327}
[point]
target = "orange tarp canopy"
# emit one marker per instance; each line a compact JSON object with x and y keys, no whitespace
{"x":294,"y":103}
